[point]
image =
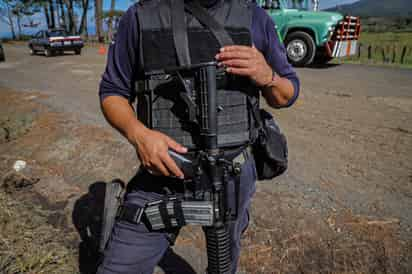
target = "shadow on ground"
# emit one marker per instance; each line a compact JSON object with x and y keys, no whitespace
{"x":87,"y":218}
{"x":323,"y":66}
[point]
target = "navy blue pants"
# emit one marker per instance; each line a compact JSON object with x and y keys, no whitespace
{"x":134,"y":249}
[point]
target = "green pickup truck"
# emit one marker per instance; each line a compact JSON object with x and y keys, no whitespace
{"x":312,"y":36}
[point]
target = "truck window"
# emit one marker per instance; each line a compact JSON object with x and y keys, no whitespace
{"x":298,"y":4}
{"x":271,"y":4}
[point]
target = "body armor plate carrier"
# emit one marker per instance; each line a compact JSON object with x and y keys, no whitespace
{"x":167,"y":102}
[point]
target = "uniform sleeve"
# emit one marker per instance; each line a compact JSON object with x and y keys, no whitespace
{"x":266,"y":40}
{"x":120,"y":73}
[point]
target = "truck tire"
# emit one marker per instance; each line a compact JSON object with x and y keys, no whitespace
{"x":48,"y":52}
{"x":301,"y":48}
{"x":78,"y":51}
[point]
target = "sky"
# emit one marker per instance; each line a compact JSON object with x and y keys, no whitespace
{"x":123,"y":5}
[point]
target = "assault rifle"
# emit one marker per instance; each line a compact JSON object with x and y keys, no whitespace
{"x":203,"y":204}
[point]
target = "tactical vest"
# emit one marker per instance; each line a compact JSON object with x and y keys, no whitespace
{"x":164,"y":112}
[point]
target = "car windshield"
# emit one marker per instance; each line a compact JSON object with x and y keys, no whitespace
{"x":55,"y":33}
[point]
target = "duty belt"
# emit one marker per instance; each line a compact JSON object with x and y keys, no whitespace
{"x":174,"y":211}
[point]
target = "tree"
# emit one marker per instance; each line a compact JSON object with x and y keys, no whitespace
{"x":46,"y":13}
{"x":6,"y":15}
{"x":112,"y":18}
{"x":52,"y":19}
{"x":22,"y":8}
{"x":18,"y":11}
{"x":83,"y":21}
{"x":47,"y":10}
{"x":98,"y":14}
{"x":12,"y":11}
{"x":62,"y":14}
{"x":71,"y":15}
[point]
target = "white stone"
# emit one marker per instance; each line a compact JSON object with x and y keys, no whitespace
{"x":19,"y":165}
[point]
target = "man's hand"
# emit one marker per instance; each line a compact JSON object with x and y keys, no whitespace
{"x":246,"y":61}
{"x":152,"y":148}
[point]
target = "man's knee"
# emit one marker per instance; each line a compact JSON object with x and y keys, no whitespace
{"x":133,"y":249}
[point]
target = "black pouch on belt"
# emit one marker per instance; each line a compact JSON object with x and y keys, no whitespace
{"x":113,"y":198}
{"x":270,"y":150}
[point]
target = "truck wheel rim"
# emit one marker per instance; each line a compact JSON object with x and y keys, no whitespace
{"x":297,"y":50}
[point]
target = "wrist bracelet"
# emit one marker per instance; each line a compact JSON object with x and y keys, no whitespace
{"x":275,"y":76}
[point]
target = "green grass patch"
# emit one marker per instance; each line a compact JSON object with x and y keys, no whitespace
{"x":388,"y":48}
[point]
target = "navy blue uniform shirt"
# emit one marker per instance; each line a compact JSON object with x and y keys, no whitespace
{"x":120,"y":74}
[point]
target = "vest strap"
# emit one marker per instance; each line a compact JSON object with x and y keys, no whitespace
{"x":206,"y":19}
{"x":180,"y":32}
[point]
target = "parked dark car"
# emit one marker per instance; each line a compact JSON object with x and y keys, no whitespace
{"x":2,"y":57}
{"x":55,"y":41}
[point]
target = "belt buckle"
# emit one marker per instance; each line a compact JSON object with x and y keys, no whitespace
{"x":123,"y":213}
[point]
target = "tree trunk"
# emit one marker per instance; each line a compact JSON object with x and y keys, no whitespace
{"x":72,"y":20}
{"x":52,"y":20}
{"x":46,"y":13}
{"x":98,"y":17}
{"x":18,"y":20}
{"x":86,"y":31}
{"x":83,"y":22}
{"x":62,"y":21}
{"x":110,"y":21}
{"x":11,"y":23}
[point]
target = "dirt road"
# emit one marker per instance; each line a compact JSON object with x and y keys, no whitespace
{"x":73,"y":80}
{"x":347,"y":194}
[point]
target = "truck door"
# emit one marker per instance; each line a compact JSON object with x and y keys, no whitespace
{"x":275,"y":9}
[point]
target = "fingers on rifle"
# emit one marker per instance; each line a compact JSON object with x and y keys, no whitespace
{"x":161,"y":168}
{"x":235,"y":48}
{"x":238,"y":63}
{"x":233,"y":55}
{"x":175,"y":146}
{"x":172,"y":166}
{"x":239,"y":71}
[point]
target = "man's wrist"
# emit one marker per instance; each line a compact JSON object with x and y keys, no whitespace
{"x":135,"y":132}
{"x":272,"y":82}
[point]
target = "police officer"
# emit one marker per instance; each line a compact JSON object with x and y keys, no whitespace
{"x":134,"y":248}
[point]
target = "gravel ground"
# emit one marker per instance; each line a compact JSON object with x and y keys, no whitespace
{"x":344,"y":206}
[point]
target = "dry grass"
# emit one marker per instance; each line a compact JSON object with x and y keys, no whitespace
{"x":28,"y":244}
{"x":285,"y":239}
{"x":291,"y":242}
